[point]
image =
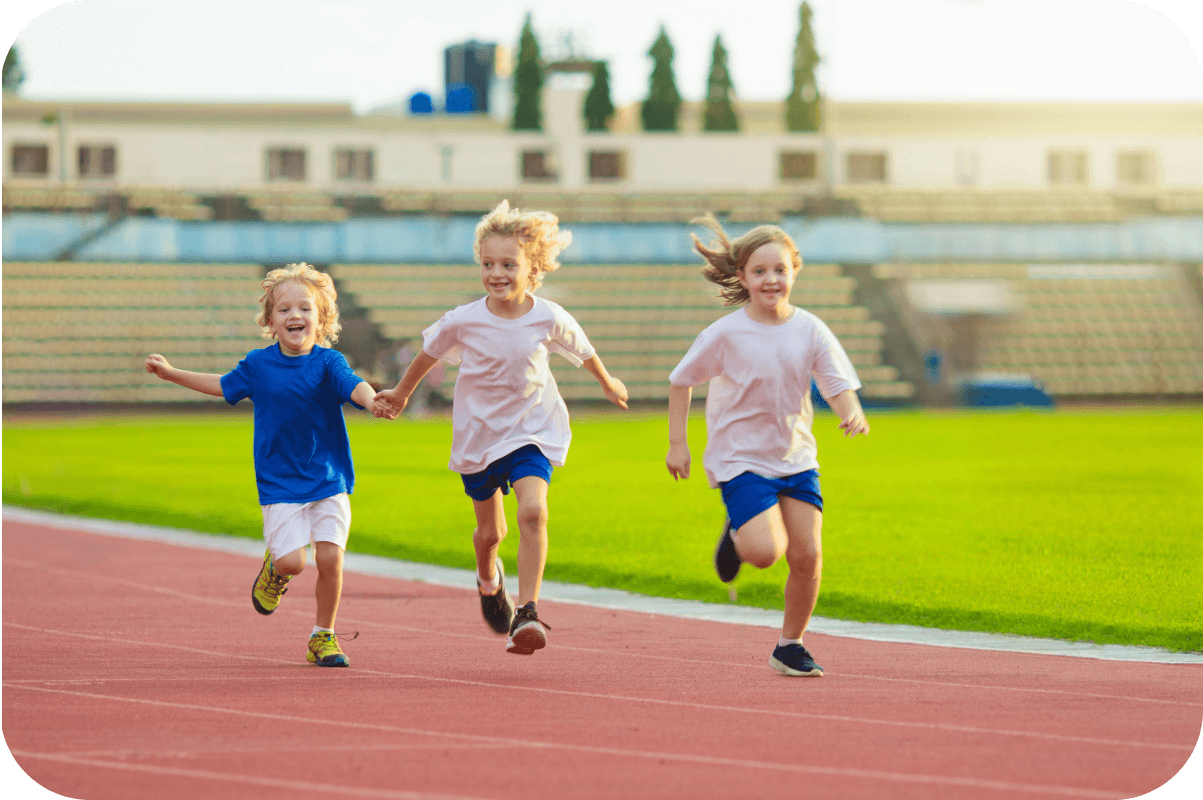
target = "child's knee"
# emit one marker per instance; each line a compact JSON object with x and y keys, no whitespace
{"x":291,"y":563}
{"x":805,"y":559}
{"x":532,"y":516}
{"x":328,"y":557}
{"x":489,"y":535}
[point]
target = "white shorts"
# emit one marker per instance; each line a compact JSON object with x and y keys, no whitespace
{"x":288,"y":527}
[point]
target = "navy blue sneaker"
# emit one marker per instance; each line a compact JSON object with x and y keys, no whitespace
{"x":726,"y":560}
{"x":497,"y":608}
{"x":792,"y":659}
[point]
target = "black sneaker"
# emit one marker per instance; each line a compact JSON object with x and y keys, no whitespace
{"x":498,"y":608}
{"x":792,"y":659}
{"x":528,"y":633}
{"x":726,"y":560}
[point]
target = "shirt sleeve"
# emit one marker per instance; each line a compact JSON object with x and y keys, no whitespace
{"x":236,"y":384}
{"x":344,"y":378}
{"x":702,"y":363}
{"x":568,"y":338}
{"x":833,"y":371}
{"x":441,"y":340}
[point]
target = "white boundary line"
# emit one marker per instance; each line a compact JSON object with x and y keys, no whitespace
{"x":627,"y":601}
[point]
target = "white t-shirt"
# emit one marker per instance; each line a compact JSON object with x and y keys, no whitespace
{"x":758,"y":409}
{"x":505,"y":395}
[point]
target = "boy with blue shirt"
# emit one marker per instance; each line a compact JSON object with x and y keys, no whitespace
{"x":303,"y":465}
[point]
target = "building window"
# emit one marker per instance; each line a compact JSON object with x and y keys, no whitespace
{"x":537,"y":165}
{"x":285,"y":164}
{"x":97,"y":161}
{"x":30,"y":160}
{"x":354,"y":165}
{"x":1137,"y":166}
{"x":968,"y":167}
{"x":800,"y":165}
{"x":607,"y":165}
{"x":1067,"y":167}
{"x":866,"y":167}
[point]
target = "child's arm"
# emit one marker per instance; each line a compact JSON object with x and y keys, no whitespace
{"x":616,"y":391}
{"x":364,"y":395}
{"x":392,"y":402}
{"x":852,"y":417}
{"x":203,"y":382}
{"x":678,"y":457}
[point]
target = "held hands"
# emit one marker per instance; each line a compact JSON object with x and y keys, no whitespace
{"x":388,"y":404}
{"x":678,"y":460}
{"x":157,"y":365}
{"x":856,"y":423}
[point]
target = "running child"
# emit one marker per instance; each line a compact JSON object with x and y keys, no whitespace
{"x":759,"y":361}
{"x":302,"y":454}
{"x":509,"y":423}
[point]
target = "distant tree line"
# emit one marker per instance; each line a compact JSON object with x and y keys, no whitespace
{"x":660,"y":111}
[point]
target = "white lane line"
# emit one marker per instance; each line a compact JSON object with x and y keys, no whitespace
{"x":334,"y":790}
{"x":845,"y":772}
{"x":352,"y":622}
{"x":618,"y":698}
{"x":619,"y":600}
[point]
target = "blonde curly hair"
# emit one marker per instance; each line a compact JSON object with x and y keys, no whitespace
{"x":320,"y":287}
{"x":727,"y":257}
{"x":538,"y":233}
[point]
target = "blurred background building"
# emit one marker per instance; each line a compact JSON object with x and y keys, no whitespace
{"x":996,"y":252}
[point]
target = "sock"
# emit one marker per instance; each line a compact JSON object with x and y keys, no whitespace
{"x":488,"y":587}
{"x":317,"y":630}
{"x":782,"y":642}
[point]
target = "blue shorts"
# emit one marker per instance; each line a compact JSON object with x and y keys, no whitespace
{"x":749,"y":494}
{"x":502,"y":473}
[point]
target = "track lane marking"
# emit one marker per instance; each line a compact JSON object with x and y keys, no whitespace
{"x":845,"y":772}
{"x":938,"y":726}
{"x":476,"y":637}
{"x":334,"y":790}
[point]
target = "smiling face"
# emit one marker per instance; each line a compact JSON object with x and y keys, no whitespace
{"x":294,"y":318}
{"x":768,"y":276}
{"x":505,"y":270}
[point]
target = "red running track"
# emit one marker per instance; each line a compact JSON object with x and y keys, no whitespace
{"x":137,"y":669}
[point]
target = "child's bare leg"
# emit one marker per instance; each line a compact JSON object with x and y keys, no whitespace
{"x":490,"y":530}
{"x":292,"y":563}
{"x":329,"y":589}
{"x":762,"y":540}
{"x":804,"y":524}
{"x":532,"y":530}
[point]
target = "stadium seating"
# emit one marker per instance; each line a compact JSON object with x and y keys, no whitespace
{"x":640,"y":317}
{"x":1089,"y":330}
{"x":890,"y":204}
{"x":80,"y":332}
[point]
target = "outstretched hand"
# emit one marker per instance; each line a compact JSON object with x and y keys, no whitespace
{"x":157,"y":365}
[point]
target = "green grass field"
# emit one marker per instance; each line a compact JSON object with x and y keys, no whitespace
{"x":1080,"y":525}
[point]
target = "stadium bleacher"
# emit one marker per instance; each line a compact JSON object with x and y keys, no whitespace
{"x":80,"y":332}
{"x":1089,"y":329}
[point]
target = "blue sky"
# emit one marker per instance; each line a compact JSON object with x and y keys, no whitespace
{"x":371,"y":52}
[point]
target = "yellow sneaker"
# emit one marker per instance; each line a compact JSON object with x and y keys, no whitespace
{"x":269,"y":587}
{"x":325,"y":652}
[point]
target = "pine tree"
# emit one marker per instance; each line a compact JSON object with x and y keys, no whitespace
{"x":719,"y":114}
{"x":802,"y":105}
{"x":14,"y":74}
{"x":598,"y":106}
{"x":528,"y":82}
{"x":659,"y":110}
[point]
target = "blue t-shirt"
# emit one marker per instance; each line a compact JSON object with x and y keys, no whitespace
{"x":302,"y":452}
